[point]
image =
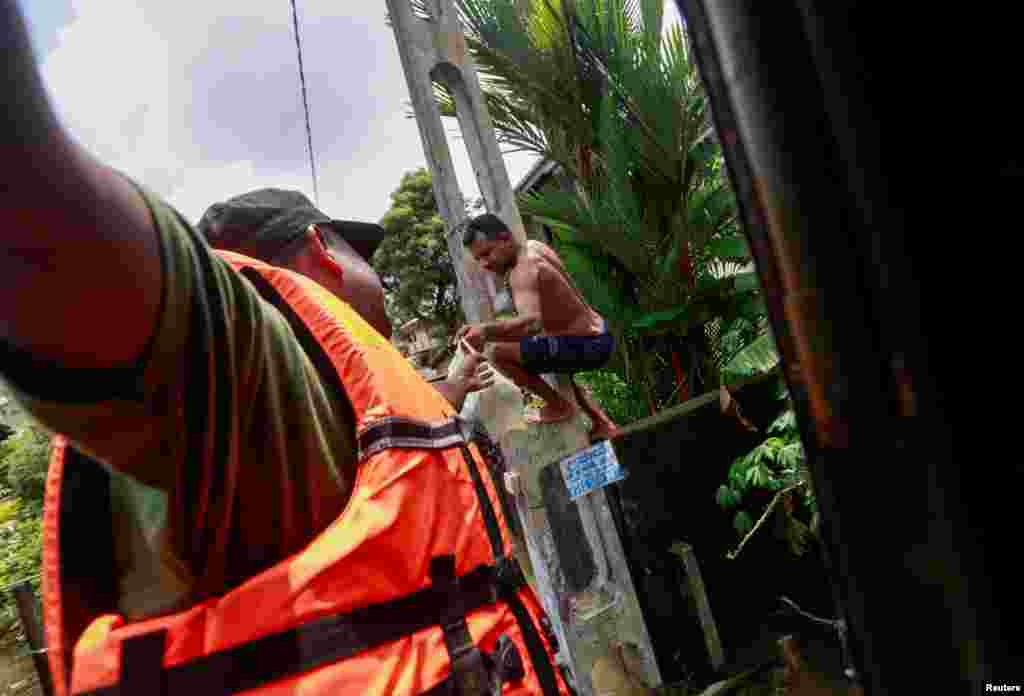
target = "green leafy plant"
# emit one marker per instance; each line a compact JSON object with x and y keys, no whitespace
{"x":8,"y":510}
{"x":622,"y":401}
{"x":642,"y":213}
{"x":777,"y":465}
{"x":21,"y":548}
{"x":24,"y":458}
{"x":758,"y":356}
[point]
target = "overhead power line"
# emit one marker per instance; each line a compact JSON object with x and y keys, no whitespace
{"x":305,"y":105}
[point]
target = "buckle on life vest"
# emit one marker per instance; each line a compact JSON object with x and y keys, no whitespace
{"x":549,"y":632}
{"x":473,"y":670}
{"x":508,"y":577}
{"x":505,"y":664}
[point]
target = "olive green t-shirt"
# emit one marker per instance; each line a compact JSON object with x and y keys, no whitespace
{"x":228,"y":450}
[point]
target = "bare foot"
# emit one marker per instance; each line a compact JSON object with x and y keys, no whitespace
{"x":554,"y":412}
{"x":601,"y":426}
{"x":605,"y":431}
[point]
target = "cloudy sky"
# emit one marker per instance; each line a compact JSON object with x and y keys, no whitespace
{"x":200,"y":101}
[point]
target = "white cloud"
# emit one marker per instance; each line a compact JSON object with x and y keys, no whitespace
{"x":204,"y":185}
{"x":200,"y":100}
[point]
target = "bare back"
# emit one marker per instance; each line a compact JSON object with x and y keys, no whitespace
{"x":564,"y":311}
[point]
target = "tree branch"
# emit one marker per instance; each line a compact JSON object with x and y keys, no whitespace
{"x":771,"y":506}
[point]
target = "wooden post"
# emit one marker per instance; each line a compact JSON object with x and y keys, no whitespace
{"x":25,"y":599}
{"x":700,"y":599}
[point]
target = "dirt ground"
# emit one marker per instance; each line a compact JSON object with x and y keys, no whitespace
{"x":17,"y":673}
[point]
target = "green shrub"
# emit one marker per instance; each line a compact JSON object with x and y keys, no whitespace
{"x":23,"y":462}
{"x":623,"y":402}
{"x":21,"y":549}
{"x":25,"y":459}
{"x":8,"y":510}
{"x":775,"y":465}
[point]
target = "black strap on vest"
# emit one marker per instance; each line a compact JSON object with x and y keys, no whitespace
{"x":142,"y":661}
{"x":399,"y":432}
{"x":327,"y":640}
{"x":534,"y":645}
{"x":486,"y":507}
{"x":468,"y":669}
{"x":492,"y":454}
{"x":313,"y":644}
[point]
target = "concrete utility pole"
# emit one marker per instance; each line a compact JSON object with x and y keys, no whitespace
{"x":434,"y":50}
{"x":573,"y":546}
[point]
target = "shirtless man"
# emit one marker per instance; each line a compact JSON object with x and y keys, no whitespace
{"x":555,"y":330}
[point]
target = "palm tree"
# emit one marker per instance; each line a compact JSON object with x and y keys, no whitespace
{"x":647,"y":225}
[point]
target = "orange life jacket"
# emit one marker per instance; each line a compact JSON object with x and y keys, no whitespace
{"x":412,"y":590}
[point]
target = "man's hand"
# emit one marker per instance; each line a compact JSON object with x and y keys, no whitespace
{"x":473,"y":334}
{"x":476,"y":373}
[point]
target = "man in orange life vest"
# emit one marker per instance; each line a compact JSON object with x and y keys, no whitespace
{"x":251,"y":489}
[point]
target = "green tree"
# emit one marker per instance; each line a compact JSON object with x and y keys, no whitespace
{"x":647,"y":224}
{"x":413,"y":261}
{"x":24,"y":457}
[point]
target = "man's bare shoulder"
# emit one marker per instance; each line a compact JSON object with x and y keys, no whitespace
{"x":537,"y":246}
{"x":525,"y":273}
{"x":544,"y":255}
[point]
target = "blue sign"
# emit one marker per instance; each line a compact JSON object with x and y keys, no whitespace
{"x":591,"y":469}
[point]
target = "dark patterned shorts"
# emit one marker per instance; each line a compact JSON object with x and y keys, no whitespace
{"x":565,"y":354}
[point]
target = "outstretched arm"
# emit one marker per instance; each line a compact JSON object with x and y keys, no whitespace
{"x":525,"y":287}
{"x":79,"y":259}
{"x":476,"y":374}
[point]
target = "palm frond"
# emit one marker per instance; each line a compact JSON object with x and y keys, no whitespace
{"x":593,"y":276}
{"x":651,"y":14}
{"x":598,"y":221}
{"x":420,"y":9}
{"x":758,"y":356}
{"x":606,"y":90}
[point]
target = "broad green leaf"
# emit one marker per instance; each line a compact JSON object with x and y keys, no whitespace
{"x":753,"y":306}
{"x":743,"y":522}
{"x":726,"y":497}
{"x":752,"y":475}
{"x":746,"y":281}
{"x":786,"y":422}
{"x":740,"y":465}
{"x":729,"y":247}
{"x":792,"y":454}
{"x":9,"y":508}
{"x":648,"y":320}
{"x":738,"y":481}
{"x":759,"y":356}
